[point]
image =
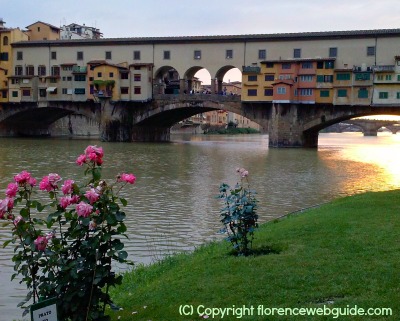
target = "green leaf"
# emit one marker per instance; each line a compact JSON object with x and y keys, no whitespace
{"x":96,"y":173}
{"x":122,"y":255}
{"x":124,"y":202}
{"x":120,"y":216}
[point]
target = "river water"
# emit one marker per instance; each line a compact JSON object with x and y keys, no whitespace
{"x":172,"y":206}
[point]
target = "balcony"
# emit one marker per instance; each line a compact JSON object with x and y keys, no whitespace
{"x":384,"y":68}
{"x":251,"y":69}
{"x":79,"y":70}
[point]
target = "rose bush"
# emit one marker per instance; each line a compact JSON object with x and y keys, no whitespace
{"x":239,"y":214}
{"x":65,"y":248}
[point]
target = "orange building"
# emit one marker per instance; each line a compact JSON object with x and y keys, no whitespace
{"x":42,"y":31}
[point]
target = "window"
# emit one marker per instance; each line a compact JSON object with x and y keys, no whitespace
{"x":38,"y":29}
{"x":269,"y":65}
{"x":333,"y":52}
{"x":342,"y":93}
{"x":54,"y":55}
{"x":268,"y":92}
{"x":30,"y":70}
{"x":362,"y":76}
{"x":80,"y":78}
{"x":137,"y":77}
{"x":252,"y":77}
{"x":306,"y":78}
{"x":18,"y":70}
{"x":371,"y":51}
{"x":69,"y":78}
{"x":320,"y":65}
{"x":99,"y":74}
{"x":108,"y":54}
{"x":286,"y":66}
{"x":363,"y":93}
{"x":15,"y":94}
{"x":26,"y":92}
{"x":251,"y":92}
{"x":124,"y":90}
{"x":307,"y":65}
{"x":380,"y":77}
{"x":197,"y":54}
{"x":124,"y":75}
{"x":229,"y":54}
{"x":269,"y":77}
{"x":343,"y":76}
{"x":388,"y":77}
{"x":79,"y":91}
{"x":398,"y":77}
{"x":281,"y":90}
{"x":5,"y":41}
{"x":4,"y":56}
{"x":305,"y":92}
{"x":42,"y":92}
{"x":64,"y":91}
{"x":398,"y":95}
{"x":79,"y":55}
{"x":136,"y":55}
{"x":19,"y":55}
{"x":324,"y":93}
{"x":296,"y":53}
{"x":167,"y":54}
{"x":383,"y":95}
{"x":329,"y":64}
{"x":42,"y":70}
{"x":324,"y":78}
{"x":4,"y":93}
{"x":283,"y":76}
{"x":137,"y":90}
{"x":111,"y":75}
{"x":55,"y":70}
{"x":262,"y":54}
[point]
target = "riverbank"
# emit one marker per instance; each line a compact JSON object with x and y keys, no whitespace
{"x":342,"y":254}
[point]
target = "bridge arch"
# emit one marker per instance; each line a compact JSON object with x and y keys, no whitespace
{"x":29,"y":119}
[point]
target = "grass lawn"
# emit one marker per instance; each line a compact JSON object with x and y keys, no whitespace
{"x":340,"y":255}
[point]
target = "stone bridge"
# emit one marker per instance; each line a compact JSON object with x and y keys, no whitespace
{"x":288,"y":125}
{"x":370,"y":127}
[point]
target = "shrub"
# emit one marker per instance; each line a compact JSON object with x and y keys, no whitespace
{"x":69,"y":254}
{"x":239,"y":213}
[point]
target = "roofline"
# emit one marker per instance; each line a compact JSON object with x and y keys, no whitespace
{"x":45,"y":23}
{"x":351,"y":34}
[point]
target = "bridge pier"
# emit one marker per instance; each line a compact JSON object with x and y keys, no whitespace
{"x":286,"y":128}
{"x":370,"y":132}
{"x":150,"y":134}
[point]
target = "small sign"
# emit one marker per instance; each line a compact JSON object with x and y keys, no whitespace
{"x":45,"y":310}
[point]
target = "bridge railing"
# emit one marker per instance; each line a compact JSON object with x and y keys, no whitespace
{"x":198,"y":97}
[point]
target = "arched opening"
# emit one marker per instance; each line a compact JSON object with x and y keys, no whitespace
{"x":166,"y":81}
{"x":5,"y":41}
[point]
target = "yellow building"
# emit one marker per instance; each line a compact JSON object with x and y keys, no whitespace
{"x":42,"y":31}
{"x":7,"y":37}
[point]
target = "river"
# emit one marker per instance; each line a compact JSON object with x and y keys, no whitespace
{"x":172,"y":206}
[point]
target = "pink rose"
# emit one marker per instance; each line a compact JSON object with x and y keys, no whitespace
{"x":81,"y":160}
{"x":17,"y":220}
{"x":50,"y":235}
{"x":54,"y":179}
{"x":67,"y":186}
{"x":41,"y":243}
{"x":74,"y":199}
{"x":12,"y":190}
{"x":129,"y":178}
{"x":92,"y":195}
{"x":3,"y":207}
{"x":65,"y":201}
{"x":83,"y":209}
{"x":32,"y":181}
{"x":22,"y":178}
{"x":45,"y":185}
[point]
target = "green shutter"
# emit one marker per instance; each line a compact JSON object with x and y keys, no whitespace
{"x":324,"y":93}
{"x":342,"y":92}
{"x":320,"y":78}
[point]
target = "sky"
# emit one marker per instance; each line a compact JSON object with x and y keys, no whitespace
{"x":156,"y":18}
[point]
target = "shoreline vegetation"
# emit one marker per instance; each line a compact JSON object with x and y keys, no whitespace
{"x":343,"y":254}
{"x":231,"y":131}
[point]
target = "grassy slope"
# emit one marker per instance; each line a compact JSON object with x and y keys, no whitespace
{"x":347,"y":252}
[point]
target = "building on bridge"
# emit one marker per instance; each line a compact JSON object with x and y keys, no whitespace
{"x":281,"y":75}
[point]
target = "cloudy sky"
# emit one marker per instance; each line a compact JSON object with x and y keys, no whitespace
{"x":138,"y":18}
{"x":153,"y":18}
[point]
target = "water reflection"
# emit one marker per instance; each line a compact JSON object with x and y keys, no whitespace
{"x":172,"y":206}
